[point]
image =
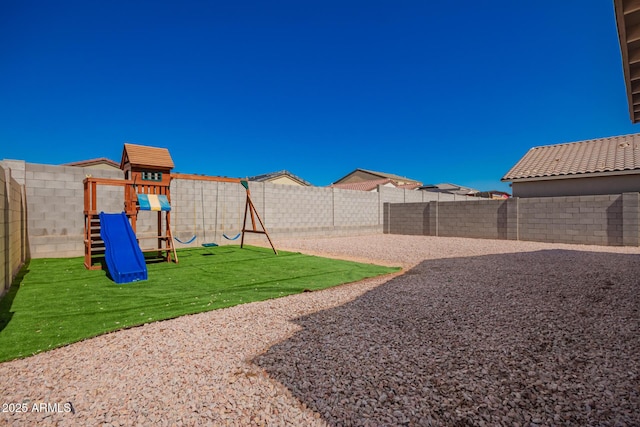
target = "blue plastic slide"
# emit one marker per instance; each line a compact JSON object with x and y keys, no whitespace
{"x":125,"y":260}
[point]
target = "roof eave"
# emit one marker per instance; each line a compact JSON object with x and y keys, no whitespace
{"x":572,"y":176}
{"x":623,"y":9}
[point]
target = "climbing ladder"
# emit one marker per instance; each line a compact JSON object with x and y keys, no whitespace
{"x":93,"y":244}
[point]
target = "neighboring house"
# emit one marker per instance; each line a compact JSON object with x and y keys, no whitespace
{"x":99,"y":163}
{"x":281,"y":177}
{"x":597,"y":166}
{"x":367,"y":178}
{"x":371,"y":185}
{"x":451,"y":189}
{"x":493,"y":194}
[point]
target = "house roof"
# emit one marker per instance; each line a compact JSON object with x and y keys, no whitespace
{"x":446,"y":187}
{"x":604,"y":155}
{"x":142,"y":155}
{"x":410,"y":186}
{"x":94,"y":162}
{"x":628,"y":20}
{"x":389,"y":175}
{"x":493,"y":194}
{"x":363,"y":185}
{"x":272,"y":175}
{"x":379,"y":174}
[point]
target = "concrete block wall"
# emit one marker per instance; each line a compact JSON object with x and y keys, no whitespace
{"x":411,"y":196}
{"x":394,"y":195}
{"x":55,"y":205}
{"x":390,"y":195}
{"x":595,"y":220}
{"x":289,"y":210}
{"x":480,"y":219}
{"x":54,"y":199}
{"x":5,"y":273}
{"x":187,"y":209}
{"x":17,"y":227}
{"x":225,"y":207}
{"x":610,"y":220}
{"x":355,"y":209}
{"x":407,"y":218}
{"x":631,"y":219}
{"x":205,"y":209}
{"x":13,"y":239}
{"x":184,"y":209}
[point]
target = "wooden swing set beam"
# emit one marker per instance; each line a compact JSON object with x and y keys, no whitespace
{"x":194,"y":177}
{"x":248,"y":209}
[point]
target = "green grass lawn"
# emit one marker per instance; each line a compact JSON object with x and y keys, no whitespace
{"x":55,"y":302}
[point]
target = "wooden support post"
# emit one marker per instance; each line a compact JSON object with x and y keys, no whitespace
{"x":250,"y":207}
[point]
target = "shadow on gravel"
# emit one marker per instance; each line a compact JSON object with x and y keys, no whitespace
{"x":539,"y":338}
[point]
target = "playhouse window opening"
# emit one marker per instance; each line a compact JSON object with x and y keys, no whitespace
{"x":152,"y":176}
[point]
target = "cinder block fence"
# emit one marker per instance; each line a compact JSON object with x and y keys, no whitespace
{"x":610,"y":220}
{"x":13,"y":232}
{"x":41,"y":213}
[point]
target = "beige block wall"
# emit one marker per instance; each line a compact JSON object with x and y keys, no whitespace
{"x":5,"y":277}
{"x":53,"y":225}
{"x":13,"y":239}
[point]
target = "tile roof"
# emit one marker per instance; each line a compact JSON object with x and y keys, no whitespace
{"x":412,"y":186}
{"x":93,"y":162}
{"x":380,"y":175}
{"x":389,"y":175}
{"x":613,"y":154}
{"x":363,"y":185}
{"x":446,"y":187}
{"x":142,"y":155}
{"x":268,"y":176}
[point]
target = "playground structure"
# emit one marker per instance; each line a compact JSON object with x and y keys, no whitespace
{"x":147,"y":173}
{"x":112,"y":239}
{"x":249,"y":211}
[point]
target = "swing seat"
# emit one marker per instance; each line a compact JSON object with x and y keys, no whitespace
{"x":186,"y":242}
{"x":231,"y":238}
{"x":209,"y":245}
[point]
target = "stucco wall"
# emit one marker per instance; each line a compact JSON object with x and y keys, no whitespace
{"x":577,"y":186}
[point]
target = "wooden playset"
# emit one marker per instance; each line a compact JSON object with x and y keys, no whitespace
{"x":146,"y":186}
{"x":147,"y":171}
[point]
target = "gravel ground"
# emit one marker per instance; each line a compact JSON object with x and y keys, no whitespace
{"x":475,"y":332}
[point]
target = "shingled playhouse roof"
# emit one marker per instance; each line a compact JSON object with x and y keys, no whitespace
{"x":142,"y":155}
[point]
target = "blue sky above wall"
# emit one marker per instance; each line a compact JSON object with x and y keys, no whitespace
{"x":435,"y":91}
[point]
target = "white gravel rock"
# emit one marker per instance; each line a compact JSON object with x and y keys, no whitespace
{"x":475,"y":332}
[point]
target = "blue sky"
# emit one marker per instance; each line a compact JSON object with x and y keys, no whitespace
{"x":435,"y":91}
